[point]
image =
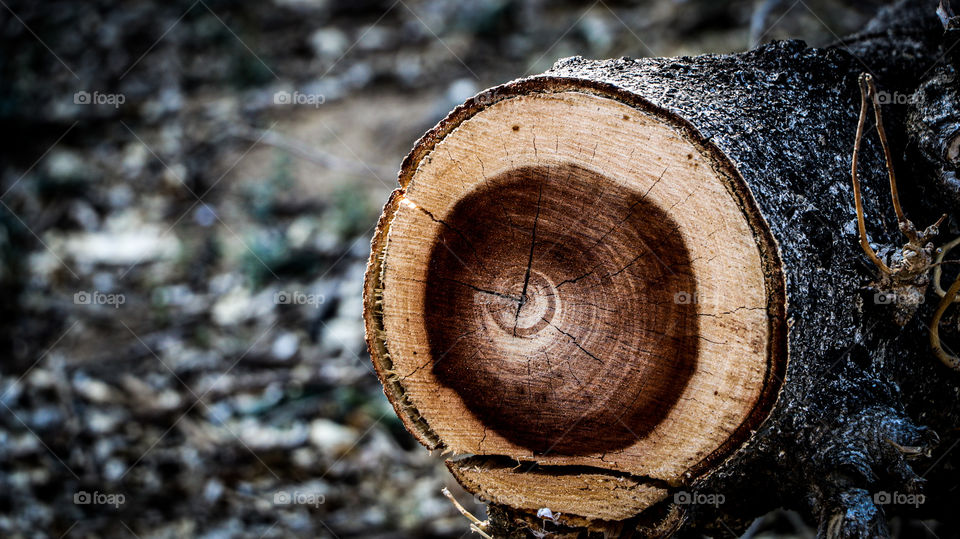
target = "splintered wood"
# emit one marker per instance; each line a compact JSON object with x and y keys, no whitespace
{"x":569,"y":280}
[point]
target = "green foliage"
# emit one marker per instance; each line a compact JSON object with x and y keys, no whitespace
{"x":261,"y":198}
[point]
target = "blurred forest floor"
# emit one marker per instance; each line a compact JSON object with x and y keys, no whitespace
{"x":181,"y":255}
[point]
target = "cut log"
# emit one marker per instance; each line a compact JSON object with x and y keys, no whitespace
{"x":559,"y":301}
{"x":587,"y":283}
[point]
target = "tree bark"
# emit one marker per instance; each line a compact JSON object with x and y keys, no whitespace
{"x":865,"y":417}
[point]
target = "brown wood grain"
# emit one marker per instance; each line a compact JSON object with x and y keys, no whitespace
{"x":559,"y":329}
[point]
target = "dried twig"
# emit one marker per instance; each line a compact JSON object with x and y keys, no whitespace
{"x":476,"y":525}
{"x":946,"y":357}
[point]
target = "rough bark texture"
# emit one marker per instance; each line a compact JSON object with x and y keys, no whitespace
{"x":861,"y":394}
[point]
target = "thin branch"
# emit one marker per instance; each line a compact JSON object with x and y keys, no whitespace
{"x":937,"y":266}
{"x":858,"y":201}
{"x":888,"y":158}
{"x":947,"y":358}
{"x":476,"y":524}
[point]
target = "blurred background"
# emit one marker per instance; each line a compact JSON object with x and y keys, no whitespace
{"x":187,"y":195}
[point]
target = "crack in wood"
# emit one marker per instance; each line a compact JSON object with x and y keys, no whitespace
{"x":526,"y":277}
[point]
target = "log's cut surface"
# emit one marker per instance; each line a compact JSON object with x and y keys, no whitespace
{"x":570,"y":277}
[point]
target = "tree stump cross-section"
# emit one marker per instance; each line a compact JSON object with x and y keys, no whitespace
{"x":572,"y":278}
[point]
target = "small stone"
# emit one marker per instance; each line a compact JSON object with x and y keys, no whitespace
{"x":46,"y":417}
{"x":285,"y":346}
{"x":460,"y":90}
{"x":135,"y":157}
{"x":303,"y":457}
{"x":232,"y":308}
{"x":84,"y":214}
{"x":204,"y":215}
{"x":101,"y":422}
{"x":331,"y":438}
{"x":213,"y":490}
{"x":343,"y":334}
{"x":93,"y":390}
{"x":64,"y":165}
{"x":329,"y":42}
{"x":114,"y":470}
